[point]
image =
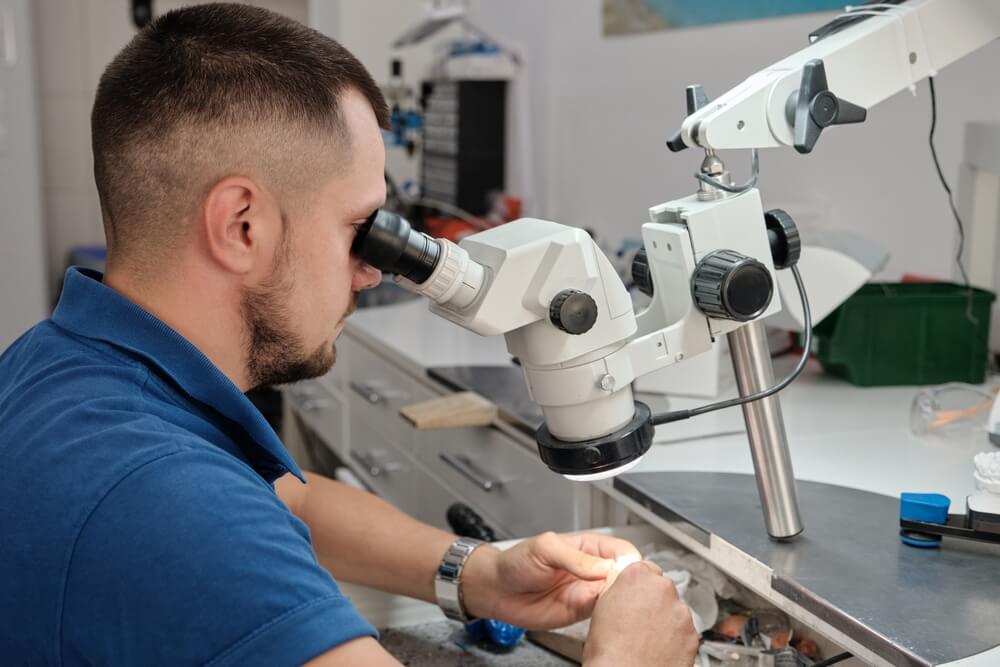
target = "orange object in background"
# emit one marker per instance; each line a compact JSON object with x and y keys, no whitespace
{"x":512,"y":207}
{"x":919,"y":278}
{"x":506,"y":208}
{"x":453,"y":229}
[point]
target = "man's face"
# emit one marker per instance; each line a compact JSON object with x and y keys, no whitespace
{"x":294,"y":317}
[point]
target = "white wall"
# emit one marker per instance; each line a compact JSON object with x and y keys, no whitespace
{"x":604,"y":107}
{"x":601,"y":109}
{"x":618,"y":99}
{"x":23,"y":291}
{"x":75,"y":40}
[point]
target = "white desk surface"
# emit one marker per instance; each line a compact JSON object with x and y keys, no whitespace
{"x":838,"y":433}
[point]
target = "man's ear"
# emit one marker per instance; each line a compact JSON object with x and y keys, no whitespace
{"x":240,"y":227}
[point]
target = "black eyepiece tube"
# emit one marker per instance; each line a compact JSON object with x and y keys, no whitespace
{"x":390,"y":244}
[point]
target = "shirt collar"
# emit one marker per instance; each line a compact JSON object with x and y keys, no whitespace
{"x":90,"y":309}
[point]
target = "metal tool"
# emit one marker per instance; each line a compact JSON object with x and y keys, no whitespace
{"x":924,"y":517}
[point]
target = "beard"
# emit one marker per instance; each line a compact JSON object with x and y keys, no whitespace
{"x":274,"y":353}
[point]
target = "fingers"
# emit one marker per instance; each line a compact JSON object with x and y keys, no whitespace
{"x":603,"y":546}
{"x":562,"y":552}
{"x":645,"y":569}
{"x":652,"y":567}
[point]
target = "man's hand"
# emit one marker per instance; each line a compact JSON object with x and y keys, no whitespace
{"x":545,"y":582}
{"x":641,"y":621}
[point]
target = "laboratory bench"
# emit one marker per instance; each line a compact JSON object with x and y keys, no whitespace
{"x":846,"y":578}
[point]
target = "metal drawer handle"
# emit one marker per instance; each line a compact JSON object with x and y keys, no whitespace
{"x":368,"y":463}
{"x":469,"y":471}
{"x":301,"y":390}
{"x":314,"y":404}
{"x":372,"y":466}
{"x":367,"y":392}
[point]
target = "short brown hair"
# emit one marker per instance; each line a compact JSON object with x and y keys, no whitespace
{"x":209,"y":91}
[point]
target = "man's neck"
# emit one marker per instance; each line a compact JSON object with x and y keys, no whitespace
{"x":204,"y":312}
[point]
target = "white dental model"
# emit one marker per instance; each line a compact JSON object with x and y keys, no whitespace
{"x":987,"y":476}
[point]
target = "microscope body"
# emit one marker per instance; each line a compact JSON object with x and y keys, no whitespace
{"x":709,"y":259}
{"x":582,"y":378}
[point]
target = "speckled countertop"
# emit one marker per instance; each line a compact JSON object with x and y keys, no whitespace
{"x":445,"y":644}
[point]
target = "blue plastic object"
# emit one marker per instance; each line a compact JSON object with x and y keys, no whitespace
{"x":927,"y":507}
{"x":502,"y":634}
{"x":460,"y":48}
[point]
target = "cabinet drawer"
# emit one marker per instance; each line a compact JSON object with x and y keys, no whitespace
{"x":441,"y":119}
{"x":381,"y":466}
{"x":376,"y":391}
{"x":499,"y":477}
{"x":444,"y":146}
{"x":442,"y":105}
{"x":432,"y":500}
{"x":443,"y":185}
{"x":336,"y":378}
{"x":322,"y":411}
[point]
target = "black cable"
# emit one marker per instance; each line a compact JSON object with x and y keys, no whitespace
{"x":678,"y":415}
{"x":944,"y":182}
{"x":954,"y":211}
{"x":840,"y":657}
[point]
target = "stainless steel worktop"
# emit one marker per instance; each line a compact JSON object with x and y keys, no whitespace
{"x":907,"y":605}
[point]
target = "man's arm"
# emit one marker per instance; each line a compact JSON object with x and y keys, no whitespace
{"x":361,"y":538}
{"x":545,"y":582}
{"x":362,"y":652}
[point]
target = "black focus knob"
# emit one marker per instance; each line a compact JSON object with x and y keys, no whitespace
{"x":731,"y":286}
{"x":641,"y":275}
{"x":783,"y":235}
{"x":573,"y":311}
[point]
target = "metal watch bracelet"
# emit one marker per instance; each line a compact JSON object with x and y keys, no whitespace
{"x":447,"y":582}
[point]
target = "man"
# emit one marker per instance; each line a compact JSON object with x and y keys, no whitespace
{"x":149,"y":514}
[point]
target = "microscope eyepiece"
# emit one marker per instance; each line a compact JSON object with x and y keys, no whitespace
{"x":390,"y":244}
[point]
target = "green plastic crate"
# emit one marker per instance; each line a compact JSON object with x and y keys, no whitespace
{"x":907,"y":333}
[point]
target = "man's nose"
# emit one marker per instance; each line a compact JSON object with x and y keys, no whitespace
{"x":366,"y":276}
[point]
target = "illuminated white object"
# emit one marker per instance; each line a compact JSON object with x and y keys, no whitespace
{"x":624,"y":561}
{"x":593,"y":477}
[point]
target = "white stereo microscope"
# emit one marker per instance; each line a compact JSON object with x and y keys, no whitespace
{"x":709,"y":259}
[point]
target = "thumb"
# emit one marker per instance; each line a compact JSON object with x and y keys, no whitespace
{"x":558,"y":552}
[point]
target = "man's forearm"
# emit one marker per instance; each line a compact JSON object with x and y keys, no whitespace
{"x":362,"y":539}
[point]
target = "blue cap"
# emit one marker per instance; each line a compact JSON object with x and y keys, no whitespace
{"x":926,"y":507}
{"x":929,"y":507}
{"x":502,"y":634}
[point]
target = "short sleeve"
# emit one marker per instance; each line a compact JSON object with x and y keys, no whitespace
{"x":193,"y":559}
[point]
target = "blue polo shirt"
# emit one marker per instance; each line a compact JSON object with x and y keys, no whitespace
{"x":138,"y":519}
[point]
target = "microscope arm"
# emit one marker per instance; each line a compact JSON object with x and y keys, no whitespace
{"x":865,"y":63}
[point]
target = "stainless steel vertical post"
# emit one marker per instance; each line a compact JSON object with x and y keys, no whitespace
{"x":766,"y":430}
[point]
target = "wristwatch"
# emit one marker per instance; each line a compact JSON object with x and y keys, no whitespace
{"x":447,"y":583}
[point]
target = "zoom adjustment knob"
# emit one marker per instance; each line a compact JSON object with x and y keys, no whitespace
{"x":783,"y":235}
{"x":573,"y":311}
{"x":730,"y":286}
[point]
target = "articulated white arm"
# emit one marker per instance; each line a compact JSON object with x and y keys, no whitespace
{"x":864,"y":63}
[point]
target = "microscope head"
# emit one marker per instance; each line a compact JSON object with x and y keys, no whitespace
{"x":562,"y":308}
